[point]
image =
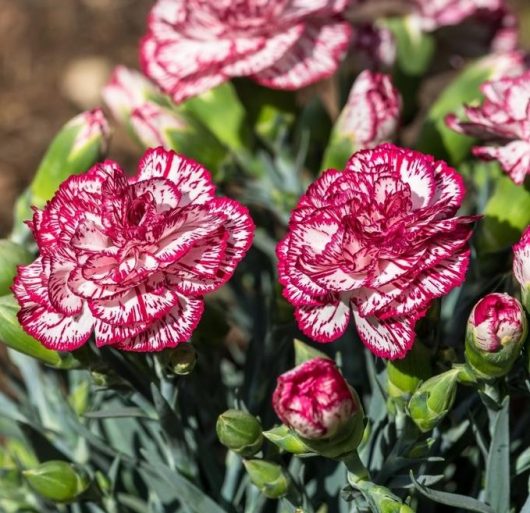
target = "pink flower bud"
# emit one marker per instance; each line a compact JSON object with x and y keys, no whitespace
{"x":136,"y":102}
{"x":372,"y":112}
{"x":314,"y":399}
{"x":496,"y":321}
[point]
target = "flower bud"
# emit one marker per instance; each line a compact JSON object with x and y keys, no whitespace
{"x":136,"y":103}
{"x":314,"y":400}
{"x":370,"y":117}
{"x":521,"y":266}
{"x":240,"y":432}
{"x":269,"y":477}
{"x":181,"y":360}
{"x":496,"y":330}
{"x":433,"y":399}
{"x":57,"y":481}
{"x":79,"y":145}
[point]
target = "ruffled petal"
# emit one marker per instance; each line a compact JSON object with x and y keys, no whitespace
{"x":315,"y":56}
{"x":325,"y":322}
{"x":135,"y":305}
{"x":174,"y":328}
{"x":514,"y":158}
{"x":192,"y":180}
{"x":390,"y":338}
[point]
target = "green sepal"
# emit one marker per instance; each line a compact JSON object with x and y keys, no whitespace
{"x":304,"y":352}
{"x":287,"y":440}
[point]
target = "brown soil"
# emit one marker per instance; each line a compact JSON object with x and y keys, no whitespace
{"x":53,"y":55}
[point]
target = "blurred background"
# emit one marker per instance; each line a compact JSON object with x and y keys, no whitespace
{"x":55,"y":55}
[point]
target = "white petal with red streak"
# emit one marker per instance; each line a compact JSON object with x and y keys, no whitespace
{"x":315,"y":56}
{"x":192,"y":180}
{"x":389,"y":339}
{"x":183,"y":229}
{"x":240,"y":227}
{"x":514,"y":158}
{"x":325,"y":322}
{"x":54,"y":330}
{"x":110,"y":334}
{"x":429,"y":285}
{"x":174,"y":328}
{"x":61,"y":296}
{"x":164,"y":192}
{"x":273,"y":48}
{"x":138,"y":304}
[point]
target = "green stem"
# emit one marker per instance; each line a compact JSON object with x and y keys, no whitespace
{"x":357,"y":472}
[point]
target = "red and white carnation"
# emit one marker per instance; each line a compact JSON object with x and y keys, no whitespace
{"x":371,"y":114}
{"x":130,"y":259}
{"x":130,"y":97}
{"x":504,"y":118}
{"x":377,"y":242}
{"x":194,"y":45}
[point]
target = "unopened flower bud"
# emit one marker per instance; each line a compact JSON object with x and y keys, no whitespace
{"x":521,"y":267}
{"x":57,"y":481}
{"x":315,"y":401}
{"x":79,"y":145}
{"x":370,"y":117}
{"x":433,"y":399}
{"x":269,"y":477}
{"x":136,"y":102}
{"x":181,"y":360}
{"x":496,"y":330}
{"x":240,"y":432}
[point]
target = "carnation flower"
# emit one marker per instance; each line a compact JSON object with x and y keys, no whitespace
{"x":372,"y":112}
{"x":314,"y":399}
{"x":504,"y":117}
{"x":130,"y":258}
{"x":192,"y":46}
{"x":378,"y":241}
{"x":130,"y":97}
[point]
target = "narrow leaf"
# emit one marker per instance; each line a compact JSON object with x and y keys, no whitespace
{"x":498,"y":462}
{"x":452,"y":499}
